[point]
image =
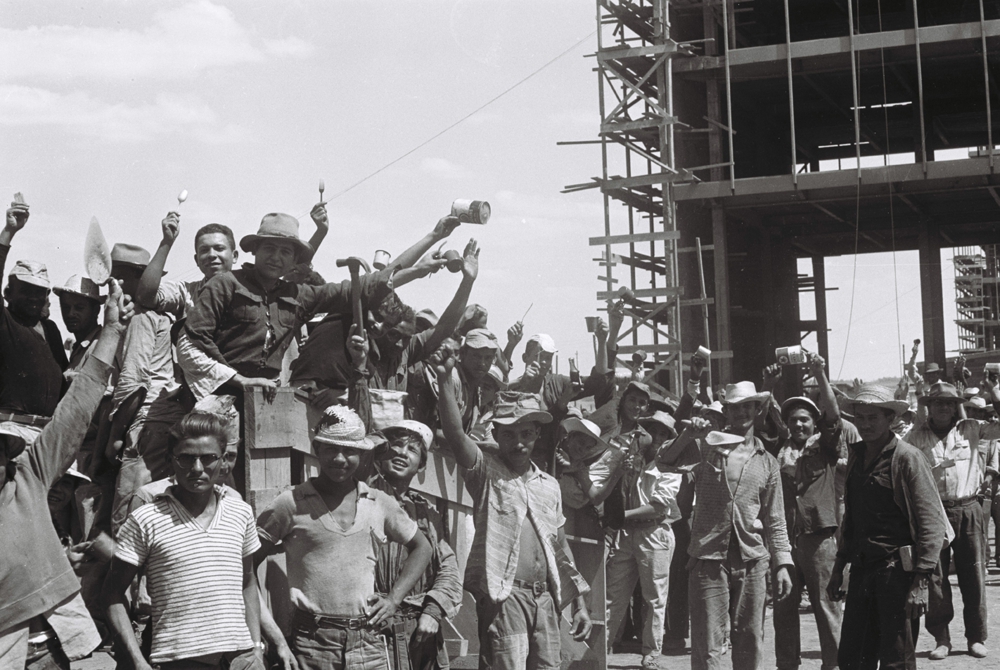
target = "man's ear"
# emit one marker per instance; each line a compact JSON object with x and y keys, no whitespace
{"x":236,"y":255}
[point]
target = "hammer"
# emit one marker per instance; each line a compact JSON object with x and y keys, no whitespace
{"x":354,"y":264}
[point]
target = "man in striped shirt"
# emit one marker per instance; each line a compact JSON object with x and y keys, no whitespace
{"x":196,"y":543}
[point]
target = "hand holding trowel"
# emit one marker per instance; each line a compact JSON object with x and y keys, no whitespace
{"x":97,"y":254}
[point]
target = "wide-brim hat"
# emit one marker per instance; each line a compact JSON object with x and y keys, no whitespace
{"x":796,"y":402}
{"x":876,"y":395}
{"x":743,"y":392}
{"x":941,"y":391}
{"x":978,"y":403}
{"x":716,"y":438}
{"x":588,"y":428}
{"x":277,"y":226}
{"x":661,"y":418}
{"x":716,"y":407}
{"x":129,"y":254}
{"x":342,"y":427}
{"x":409,"y":426}
{"x":78,"y":285}
{"x":512,"y":408}
{"x":932,"y":367}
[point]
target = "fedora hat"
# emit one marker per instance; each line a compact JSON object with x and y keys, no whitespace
{"x":797,"y":402}
{"x":342,"y":427}
{"x":743,"y":392}
{"x":876,"y":395}
{"x":275,"y":226}
{"x":129,"y":254}
{"x":513,"y":408}
{"x":78,"y":285}
{"x":932,"y":367}
{"x":941,"y":391}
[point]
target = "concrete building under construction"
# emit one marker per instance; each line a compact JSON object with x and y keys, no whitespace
{"x":739,"y":136}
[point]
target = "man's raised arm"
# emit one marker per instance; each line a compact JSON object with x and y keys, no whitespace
{"x":149,"y":283}
{"x":448,"y":322}
{"x":17,"y":216}
{"x":466,"y":451}
{"x":441,"y":231}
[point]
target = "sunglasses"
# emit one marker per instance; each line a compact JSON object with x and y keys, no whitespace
{"x":187,"y":461}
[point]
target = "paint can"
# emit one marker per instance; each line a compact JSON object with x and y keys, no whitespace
{"x":471,"y":211}
{"x":790,"y":355}
{"x":381,"y":259}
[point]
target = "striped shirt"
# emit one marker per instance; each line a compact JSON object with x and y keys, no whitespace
{"x":194,"y":575}
{"x":503,"y":501}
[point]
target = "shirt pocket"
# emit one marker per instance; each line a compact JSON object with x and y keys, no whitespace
{"x":961,"y":452}
{"x":288,"y":311}
{"x":246,"y":307}
{"x":501,"y":498}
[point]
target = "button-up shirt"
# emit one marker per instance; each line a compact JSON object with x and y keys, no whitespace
{"x":503,"y":501}
{"x":753,"y":512}
{"x":659,"y":489}
{"x":239,"y":323}
{"x":958,"y":460}
{"x":809,"y":480}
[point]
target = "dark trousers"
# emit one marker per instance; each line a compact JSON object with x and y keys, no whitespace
{"x":675,"y":626}
{"x":876,"y":632}
{"x":814,"y":555}
{"x":969,"y":549}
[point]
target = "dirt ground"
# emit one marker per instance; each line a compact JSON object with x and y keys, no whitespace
{"x":958,"y":660}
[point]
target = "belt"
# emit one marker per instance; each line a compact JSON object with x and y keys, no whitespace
{"x":536,"y":588}
{"x":327,"y":621}
{"x":26,"y":419}
{"x":959,"y":502}
{"x":641,"y":523}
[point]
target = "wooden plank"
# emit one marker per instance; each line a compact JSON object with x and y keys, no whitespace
{"x":636,"y":237}
{"x":442,"y":479}
{"x":279,"y":424}
{"x":643,"y":293}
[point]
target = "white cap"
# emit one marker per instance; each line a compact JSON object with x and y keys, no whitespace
{"x":543,"y":342}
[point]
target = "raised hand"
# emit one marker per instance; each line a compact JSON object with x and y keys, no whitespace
{"x":470,"y":261}
{"x":817,"y":364}
{"x":446,"y":225}
{"x":118,"y":308}
{"x":515,"y":333}
{"x":17,"y":216}
{"x":171,"y":227}
{"x":601,"y":330}
{"x":319,"y":216}
{"x":357,"y":346}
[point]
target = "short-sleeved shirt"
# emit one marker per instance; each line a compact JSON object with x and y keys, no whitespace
{"x":503,"y":501}
{"x":958,"y":460}
{"x":194,"y":575}
{"x":332,"y":570}
{"x":809,"y":480}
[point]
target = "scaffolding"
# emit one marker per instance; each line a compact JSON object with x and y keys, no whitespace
{"x":741,"y":136}
{"x":977,"y":299}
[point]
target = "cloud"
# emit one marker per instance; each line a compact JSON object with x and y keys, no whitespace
{"x":179,"y":42}
{"x":442,"y":168}
{"x":82,"y":113}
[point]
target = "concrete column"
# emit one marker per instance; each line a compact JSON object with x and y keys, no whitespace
{"x":819,"y":284}
{"x":931,"y":297}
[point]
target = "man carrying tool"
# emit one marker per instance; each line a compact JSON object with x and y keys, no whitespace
{"x":32,"y":358}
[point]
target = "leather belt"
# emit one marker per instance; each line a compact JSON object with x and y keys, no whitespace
{"x":26,"y":419}
{"x":959,"y":502}
{"x":327,"y":621}
{"x":641,"y":523}
{"x":536,"y":588}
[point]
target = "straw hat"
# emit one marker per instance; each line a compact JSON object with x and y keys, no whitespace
{"x":342,"y":427}
{"x":77,"y":285}
{"x":743,"y":392}
{"x":875,"y":395}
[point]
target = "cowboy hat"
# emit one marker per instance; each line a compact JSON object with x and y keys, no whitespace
{"x":513,"y":408}
{"x":978,"y":403}
{"x":876,"y":395}
{"x":743,"y":392}
{"x":941,"y":391}
{"x":588,"y":428}
{"x":277,"y":226}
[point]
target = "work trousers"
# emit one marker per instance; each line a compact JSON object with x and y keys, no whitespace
{"x":675,"y":626}
{"x":231,"y":660}
{"x":969,"y":549}
{"x":643,"y":555}
{"x":814,"y":555}
{"x":727,"y":595}
{"x":521,"y":632}
{"x":317,"y":648}
{"x":876,"y":632}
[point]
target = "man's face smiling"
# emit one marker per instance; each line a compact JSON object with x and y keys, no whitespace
{"x":213,"y":254}
{"x":634,"y":404}
{"x":401,"y":460}
{"x":516,"y":442}
{"x":273,"y":259}
{"x":801,"y":425}
{"x":196,"y":462}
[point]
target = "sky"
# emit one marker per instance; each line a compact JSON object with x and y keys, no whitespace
{"x":110,"y":108}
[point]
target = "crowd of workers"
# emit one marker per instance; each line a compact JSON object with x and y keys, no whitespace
{"x":123,"y":523}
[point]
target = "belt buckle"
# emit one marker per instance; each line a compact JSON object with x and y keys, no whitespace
{"x":356,"y":624}
{"x":537,"y":588}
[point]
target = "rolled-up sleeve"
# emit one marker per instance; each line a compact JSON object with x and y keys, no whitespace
{"x":203,"y":374}
{"x":446,"y":590}
{"x":334,"y":298}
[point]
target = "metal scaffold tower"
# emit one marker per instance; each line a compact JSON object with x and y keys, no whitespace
{"x":976,"y":298}
{"x":640,"y":242}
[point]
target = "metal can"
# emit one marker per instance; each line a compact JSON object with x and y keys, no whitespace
{"x":381,"y":259}
{"x":704,"y":353}
{"x":790,"y":355}
{"x":992,"y":367}
{"x":471,"y":211}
